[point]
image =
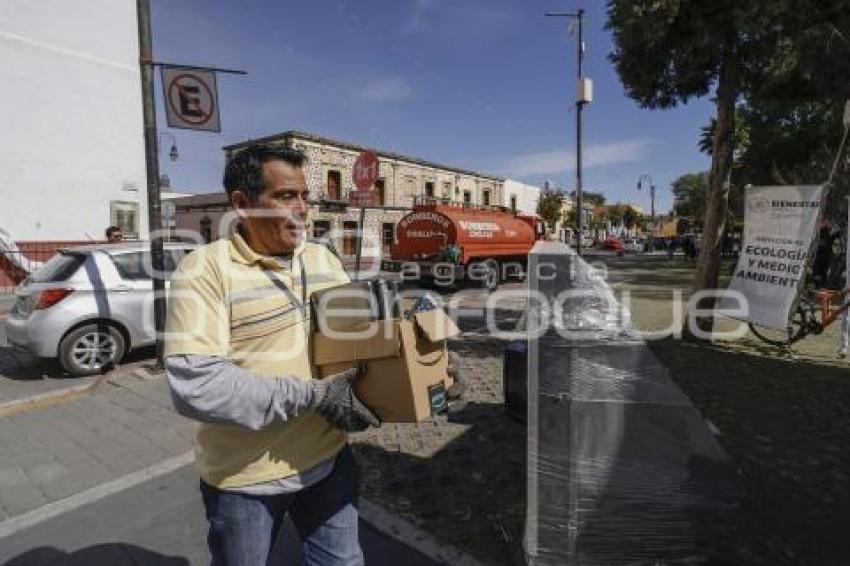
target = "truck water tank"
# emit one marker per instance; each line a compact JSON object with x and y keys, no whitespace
{"x":423,"y":233}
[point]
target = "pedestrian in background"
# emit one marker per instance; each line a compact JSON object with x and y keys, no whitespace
{"x":823,"y":254}
{"x":114,"y":234}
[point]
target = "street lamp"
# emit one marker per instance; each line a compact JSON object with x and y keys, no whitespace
{"x":651,"y":192}
{"x":172,"y":154}
{"x":584,"y":96}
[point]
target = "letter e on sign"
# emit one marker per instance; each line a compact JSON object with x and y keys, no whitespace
{"x":191,"y":99}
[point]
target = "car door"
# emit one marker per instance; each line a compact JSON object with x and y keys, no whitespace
{"x":134,"y":294}
{"x":131,"y":295}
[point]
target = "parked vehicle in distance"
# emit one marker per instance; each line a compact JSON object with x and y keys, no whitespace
{"x":455,"y":242}
{"x":634,"y":245}
{"x":613,"y":244}
{"x":89,"y":305}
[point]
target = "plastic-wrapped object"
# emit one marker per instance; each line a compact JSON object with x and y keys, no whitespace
{"x":515,"y":379}
{"x":622,"y":468}
{"x":425,"y":302}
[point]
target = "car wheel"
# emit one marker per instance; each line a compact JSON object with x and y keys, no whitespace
{"x":90,"y":349}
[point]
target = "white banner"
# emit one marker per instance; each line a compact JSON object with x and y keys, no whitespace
{"x":191,"y":98}
{"x":780,"y":224}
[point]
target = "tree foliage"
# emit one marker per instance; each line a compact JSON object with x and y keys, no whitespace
{"x":795,"y":143}
{"x":596,"y":199}
{"x":690,"y":191}
{"x":549,"y":207}
{"x":773,"y":52}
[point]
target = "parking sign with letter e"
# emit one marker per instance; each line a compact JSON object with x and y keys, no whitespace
{"x":191,"y":98}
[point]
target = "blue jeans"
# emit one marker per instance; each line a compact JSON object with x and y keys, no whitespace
{"x":243,"y":528}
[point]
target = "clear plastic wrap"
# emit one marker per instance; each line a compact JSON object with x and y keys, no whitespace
{"x":622,"y":468}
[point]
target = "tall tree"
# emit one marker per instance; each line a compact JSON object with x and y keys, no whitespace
{"x":669,"y":51}
{"x":549,"y":207}
{"x":690,"y":191}
{"x":795,"y":143}
{"x":597,"y":199}
{"x":630,"y":217}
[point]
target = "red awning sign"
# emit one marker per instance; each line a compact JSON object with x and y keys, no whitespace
{"x":365,"y":171}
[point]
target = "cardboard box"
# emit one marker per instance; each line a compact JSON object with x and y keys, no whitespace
{"x":406,"y":364}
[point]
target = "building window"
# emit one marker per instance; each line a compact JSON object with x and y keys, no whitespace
{"x":429,"y":189}
{"x":320,"y":228}
{"x":467,"y":197}
{"x":349,"y":237}
{"x":334,"y":184}
{"x":409,"y":186}
{"x":380,"y":186}
{"x":485,"y":197}
{"x":513,"y":203}
{"x":447,"y":189}
{"x":387,"y":236}
{"x":125,"y":215}
{"x":206,"y":229}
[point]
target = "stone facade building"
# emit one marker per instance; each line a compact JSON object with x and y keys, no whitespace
{"x":401,"y":178}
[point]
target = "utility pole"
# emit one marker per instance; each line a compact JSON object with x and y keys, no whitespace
{"x":146,"y":67}
{"x":146,"y":70}
{"x":584,"y":95}
{"x":651,"y":192}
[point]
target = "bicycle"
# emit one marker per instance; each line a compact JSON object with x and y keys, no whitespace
{"x":817,"y":310}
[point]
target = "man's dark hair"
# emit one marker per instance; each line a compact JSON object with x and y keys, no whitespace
{"x":111,"y":230}
{"x":244,"y":170}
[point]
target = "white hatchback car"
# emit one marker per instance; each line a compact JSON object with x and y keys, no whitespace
{"x":634,"y":245}
{"x":89,"y":305}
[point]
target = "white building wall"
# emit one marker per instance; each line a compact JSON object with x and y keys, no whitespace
{"x":71,"y":116}
{"x":527,"y":196}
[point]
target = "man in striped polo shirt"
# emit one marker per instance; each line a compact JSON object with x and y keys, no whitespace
{"x":271,"y":439}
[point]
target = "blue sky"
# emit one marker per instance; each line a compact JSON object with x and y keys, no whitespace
{"x":481,"y":84}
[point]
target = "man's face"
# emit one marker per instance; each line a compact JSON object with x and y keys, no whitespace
{"x":115,"y":236}
{"x":275,"y":223}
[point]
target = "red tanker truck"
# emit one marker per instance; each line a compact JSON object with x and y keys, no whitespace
{"x":451,"y":242}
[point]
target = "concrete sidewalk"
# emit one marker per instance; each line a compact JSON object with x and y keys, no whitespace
{"x":159,"y":523}
{"x":106,"y":477}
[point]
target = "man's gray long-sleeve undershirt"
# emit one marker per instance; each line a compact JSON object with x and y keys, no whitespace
{"x":215,"y":390}
{"x":211,"y":389}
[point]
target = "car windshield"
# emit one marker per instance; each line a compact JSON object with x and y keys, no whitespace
{"x":59,"y":268}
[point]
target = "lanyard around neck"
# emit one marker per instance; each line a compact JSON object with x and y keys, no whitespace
{"x":300,"y":305}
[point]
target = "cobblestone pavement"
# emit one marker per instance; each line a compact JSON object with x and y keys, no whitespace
{"x":460,"y":476}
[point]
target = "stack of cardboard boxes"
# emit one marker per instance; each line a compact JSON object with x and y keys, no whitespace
{"x":406,"y":358}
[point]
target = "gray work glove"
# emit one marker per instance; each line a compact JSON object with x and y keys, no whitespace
{"x":458,"y":388}
{"x":334,"y":399}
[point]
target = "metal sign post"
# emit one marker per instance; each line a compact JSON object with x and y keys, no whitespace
{"x":365,"y":174}
{"x":146,"y":65}
{"x":191,"y":103}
